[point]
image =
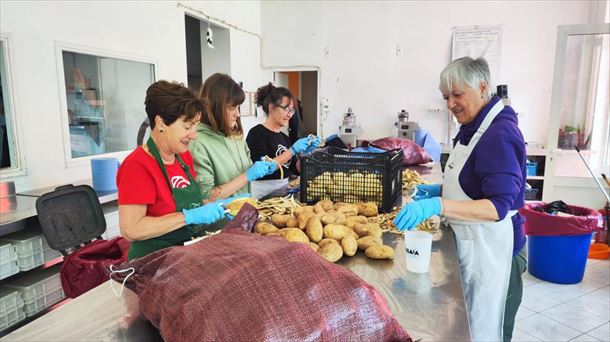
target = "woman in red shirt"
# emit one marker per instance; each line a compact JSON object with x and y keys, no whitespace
{"x":159,"y":200}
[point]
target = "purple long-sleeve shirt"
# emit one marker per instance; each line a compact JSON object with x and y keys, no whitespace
{"x":495,"y":170}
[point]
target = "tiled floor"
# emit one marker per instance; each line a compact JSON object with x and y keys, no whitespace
{"x":554,"y":312}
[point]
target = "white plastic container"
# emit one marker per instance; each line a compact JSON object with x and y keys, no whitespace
{"x":9,"y":300}
{"x":30,"y":261}
{"x":8,"y":267}
{"x":35,"y":285}
{"x":33,"y":307}
{"x":12,"y":317}
{"x":25,"y":242}
{"x":6,"y":251}
{"x":49,"y":253}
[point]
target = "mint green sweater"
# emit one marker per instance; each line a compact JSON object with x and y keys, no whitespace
{"x":218,"y":159}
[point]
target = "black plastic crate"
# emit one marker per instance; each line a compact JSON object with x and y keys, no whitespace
{"x":343,"y":176}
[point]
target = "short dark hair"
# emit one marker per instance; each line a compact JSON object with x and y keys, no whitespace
{"x":171,"y":100}
{"x":221,"y":91}
{"x":271,"y":94}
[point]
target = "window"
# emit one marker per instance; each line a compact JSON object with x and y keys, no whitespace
{"x":9,"y":156}
{"x":104,"y":102}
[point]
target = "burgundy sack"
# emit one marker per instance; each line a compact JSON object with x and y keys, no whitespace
{"x":240,"y":286}
{"x":413,"y":153}
{"x":538,"y":223}
{"x":89,"y":266}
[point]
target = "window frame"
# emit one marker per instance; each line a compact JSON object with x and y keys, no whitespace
{"x":20,"y":168}
{"x":60,"y":47}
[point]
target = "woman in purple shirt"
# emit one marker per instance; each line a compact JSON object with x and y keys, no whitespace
{"x":483,"y":188}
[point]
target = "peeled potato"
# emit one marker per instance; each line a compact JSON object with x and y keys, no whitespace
{"x":314,"y":229}
{"x":331,"y":252}
{"x":265,"y":228}
{"x":379,"y":252}
{"x":365,"y":242}
{"x":236,"y":204}
{"x":349,"y":245}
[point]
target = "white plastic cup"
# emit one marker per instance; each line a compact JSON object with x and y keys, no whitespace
{"x":418,"y":246}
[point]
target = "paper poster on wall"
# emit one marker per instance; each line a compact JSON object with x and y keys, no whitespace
{"x":479,"y":41}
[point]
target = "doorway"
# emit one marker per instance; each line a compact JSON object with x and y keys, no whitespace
{"x":303,"y":84}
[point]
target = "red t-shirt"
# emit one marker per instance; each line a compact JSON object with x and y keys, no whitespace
{"x":141,"y":181}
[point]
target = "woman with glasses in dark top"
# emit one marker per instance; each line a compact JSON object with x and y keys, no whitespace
{"x":267,"y":139}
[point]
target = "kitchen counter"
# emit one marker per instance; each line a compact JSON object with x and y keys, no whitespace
{"x":430,"y":306}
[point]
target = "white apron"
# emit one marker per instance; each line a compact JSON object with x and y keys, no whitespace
{"x":484,"y":249}
{"x":262,"y":188}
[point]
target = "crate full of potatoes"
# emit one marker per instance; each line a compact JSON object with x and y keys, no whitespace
{"x":341,"y":176}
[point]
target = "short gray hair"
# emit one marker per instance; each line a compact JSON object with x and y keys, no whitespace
{"x":465,"y":71}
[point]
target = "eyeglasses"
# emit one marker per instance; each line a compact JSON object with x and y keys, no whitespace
{"x":287,"y":108}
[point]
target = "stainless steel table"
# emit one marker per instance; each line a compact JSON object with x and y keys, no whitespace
{"x":430,"y":306}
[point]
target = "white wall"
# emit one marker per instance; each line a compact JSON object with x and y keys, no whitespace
{"x":363,"y":71}
{"x":151,"y":29}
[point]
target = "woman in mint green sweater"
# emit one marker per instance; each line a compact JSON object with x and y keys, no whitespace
{"x":220,"y":153}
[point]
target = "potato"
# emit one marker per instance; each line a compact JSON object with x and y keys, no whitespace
{"x":349,"y":245}
{"x":303,"y":218}
{"x":280,"y":221}
{"x":298,"y":211}
{"x":348,"y":210}
{"x":333,"y":218}
{"x":265,"y":228}
{"x":294,"y":235}
{"x":326,"y":241}
{"x":318,"y":209}
{"x":313,"y":246}
{"x":331,"y":252}
{"x":236,"y":204}
{"x":354,"y":235}
{"x":368,"y":209}
{"x":379,"y":252}
{"x":314,"y":229}
{"x":368,"y":229}
{"x":353,"y":220}
{"x":336,"y":231}
{"x":368,"y":241}
{"x":292,"y":222}
{"x":326,"y":205}
{"x":274,"y":234}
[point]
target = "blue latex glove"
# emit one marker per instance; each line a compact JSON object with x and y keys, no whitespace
{"x":427,"y":191}
{"x":300,"y":145}
{"x":205,"y":214}
{"x":260,"y":169}
{"x":313,"y":144}
{"x":415,"y":213}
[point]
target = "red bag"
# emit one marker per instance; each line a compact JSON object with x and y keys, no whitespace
{"x":89,"y":266}
{"x":538,"y":223}
{"x":240,"y":286}
{"x":413,"y":153}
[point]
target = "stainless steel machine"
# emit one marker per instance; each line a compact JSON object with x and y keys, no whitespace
{"x":404,"y":128}
{"x":349,"y":130}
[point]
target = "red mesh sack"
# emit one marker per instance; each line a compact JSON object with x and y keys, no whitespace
{"x":89,"y":266}
{"x":240,"y":286}
{"x":538,"y":223}
{"x":413,"y":153}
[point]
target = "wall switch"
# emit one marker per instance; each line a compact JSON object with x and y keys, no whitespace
{"x":399,"y":50}
{"x":327,"y":51}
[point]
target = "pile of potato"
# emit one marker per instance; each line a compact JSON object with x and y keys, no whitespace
{"x":348,"y":187}
{"x":331,"y":229}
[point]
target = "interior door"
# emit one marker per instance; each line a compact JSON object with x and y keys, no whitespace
{"x":579,"y":115}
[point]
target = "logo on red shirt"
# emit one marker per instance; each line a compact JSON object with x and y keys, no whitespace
{"x":179,"y":182}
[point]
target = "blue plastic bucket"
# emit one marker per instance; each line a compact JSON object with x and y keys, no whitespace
{"x":558,"y":259}
{"x":103,"y":174}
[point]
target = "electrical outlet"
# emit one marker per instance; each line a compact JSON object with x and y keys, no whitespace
{"x":435,"y":110}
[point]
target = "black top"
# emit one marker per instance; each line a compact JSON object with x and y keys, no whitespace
{"x":264,"y":142}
